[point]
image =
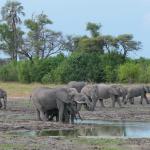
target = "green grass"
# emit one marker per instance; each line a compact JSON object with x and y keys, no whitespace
{"x":104,"y":144}
{"x":20,"y":147}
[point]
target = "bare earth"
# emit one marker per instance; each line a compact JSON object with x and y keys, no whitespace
{"x":20,"y":116}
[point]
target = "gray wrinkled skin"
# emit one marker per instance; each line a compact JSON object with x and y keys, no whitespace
{"x":78,"y":85}
{"x":3,"y":95}
{"x":122,"y":91}
{"x":46,"y":99}
{"x":101,"y":91}
{"x":137,"y":90}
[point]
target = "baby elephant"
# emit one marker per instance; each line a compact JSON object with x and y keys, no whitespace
{"x":3,"y":95}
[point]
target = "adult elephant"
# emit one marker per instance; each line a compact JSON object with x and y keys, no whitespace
{"x":101,"y":91}
{"x":122,"y":91}
{"x":46,"y":99}
{"x":137,"y":90}
{"x":3,"y":95}
{"x":78,"y":85}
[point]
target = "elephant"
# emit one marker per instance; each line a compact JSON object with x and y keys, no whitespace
{"x":78,"y":85}
{"x":52,"y":113}
{"x":46,"y":99}
{"x":68,"y":111}
{"x":3,"y":95}
{"x":137,"y":90}
{"x":123,"y":91}
{"x":99,"y":92}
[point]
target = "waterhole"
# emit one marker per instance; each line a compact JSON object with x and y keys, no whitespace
{"x":97,"y":128}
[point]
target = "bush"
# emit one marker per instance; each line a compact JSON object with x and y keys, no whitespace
{"x":9,"y":72}
{"x":144,"y":75}
{"x":111,"y":62}
{"x":24,"y":71}
{"x":79,"y":67}
{"x":39,"y":70}
{"x":129,"y":72}
{"x":46,"y":78}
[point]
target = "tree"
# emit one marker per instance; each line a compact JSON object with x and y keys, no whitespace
{"x":41,"y":42}
{"x":126,"y":44}
{"x":90,"y":45}
{"x":11,"y":15}
{"x":110,"y":43}
{"x":93,"y":28}
{"x":6,"y":39}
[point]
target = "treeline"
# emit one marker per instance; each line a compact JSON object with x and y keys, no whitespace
{"x":79,"y":66}
{"x":40,"y":54}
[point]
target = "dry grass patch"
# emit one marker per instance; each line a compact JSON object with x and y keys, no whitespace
{"x":15,"y":89}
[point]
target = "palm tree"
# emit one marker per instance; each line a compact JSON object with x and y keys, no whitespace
{"x":11,"y":15}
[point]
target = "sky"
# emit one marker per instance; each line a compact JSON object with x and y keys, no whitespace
{"x":116,"y":16}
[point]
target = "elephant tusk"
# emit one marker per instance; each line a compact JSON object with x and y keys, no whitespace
{"x":80,"y":102}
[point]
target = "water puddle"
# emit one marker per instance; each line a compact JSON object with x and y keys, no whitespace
{"x":97,"y":128}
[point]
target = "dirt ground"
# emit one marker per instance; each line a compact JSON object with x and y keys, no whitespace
{"x":20,"y":116}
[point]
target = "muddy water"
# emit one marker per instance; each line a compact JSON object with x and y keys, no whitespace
{"x":96,"y":128}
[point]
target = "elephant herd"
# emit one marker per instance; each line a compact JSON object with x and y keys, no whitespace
{"x":64,"y":103}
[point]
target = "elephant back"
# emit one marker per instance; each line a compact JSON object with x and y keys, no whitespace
{"x":44,"y":98}
{"x":77,"y":85}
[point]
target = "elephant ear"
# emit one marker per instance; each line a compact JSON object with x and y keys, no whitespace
{"x":72,"y":92}
{"x":62,"y":95}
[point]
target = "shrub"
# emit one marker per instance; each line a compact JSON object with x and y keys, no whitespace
{"x":79,"y":67}
{"x":129,"y":72}
{"x":8,"y":72}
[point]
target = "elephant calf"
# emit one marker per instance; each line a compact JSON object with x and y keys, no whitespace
{"x":69,"y":112}
{"x":3,"y":95}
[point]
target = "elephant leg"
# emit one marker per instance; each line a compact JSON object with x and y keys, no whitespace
{"x":0,"y":103}
{"x":49,"y":116}
{"x":57,"y":118}
{"x":145,"y":97}
{"x":72,"y":118}
{"x":43,"y":116}
{"x":118,"y":100}
{"x":60,"y":106}
{"x":79,"y":116}
{"x":113,"y":101}
{"x":126,"y":100}
{"x":38,"y":115}
{"x":101,"y":102}
{"x":123,"y":99}
{"x":5,"y":102}
{"x":66,"y":116}
{"x":131,"y":100}
{"x":141,"y":100}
